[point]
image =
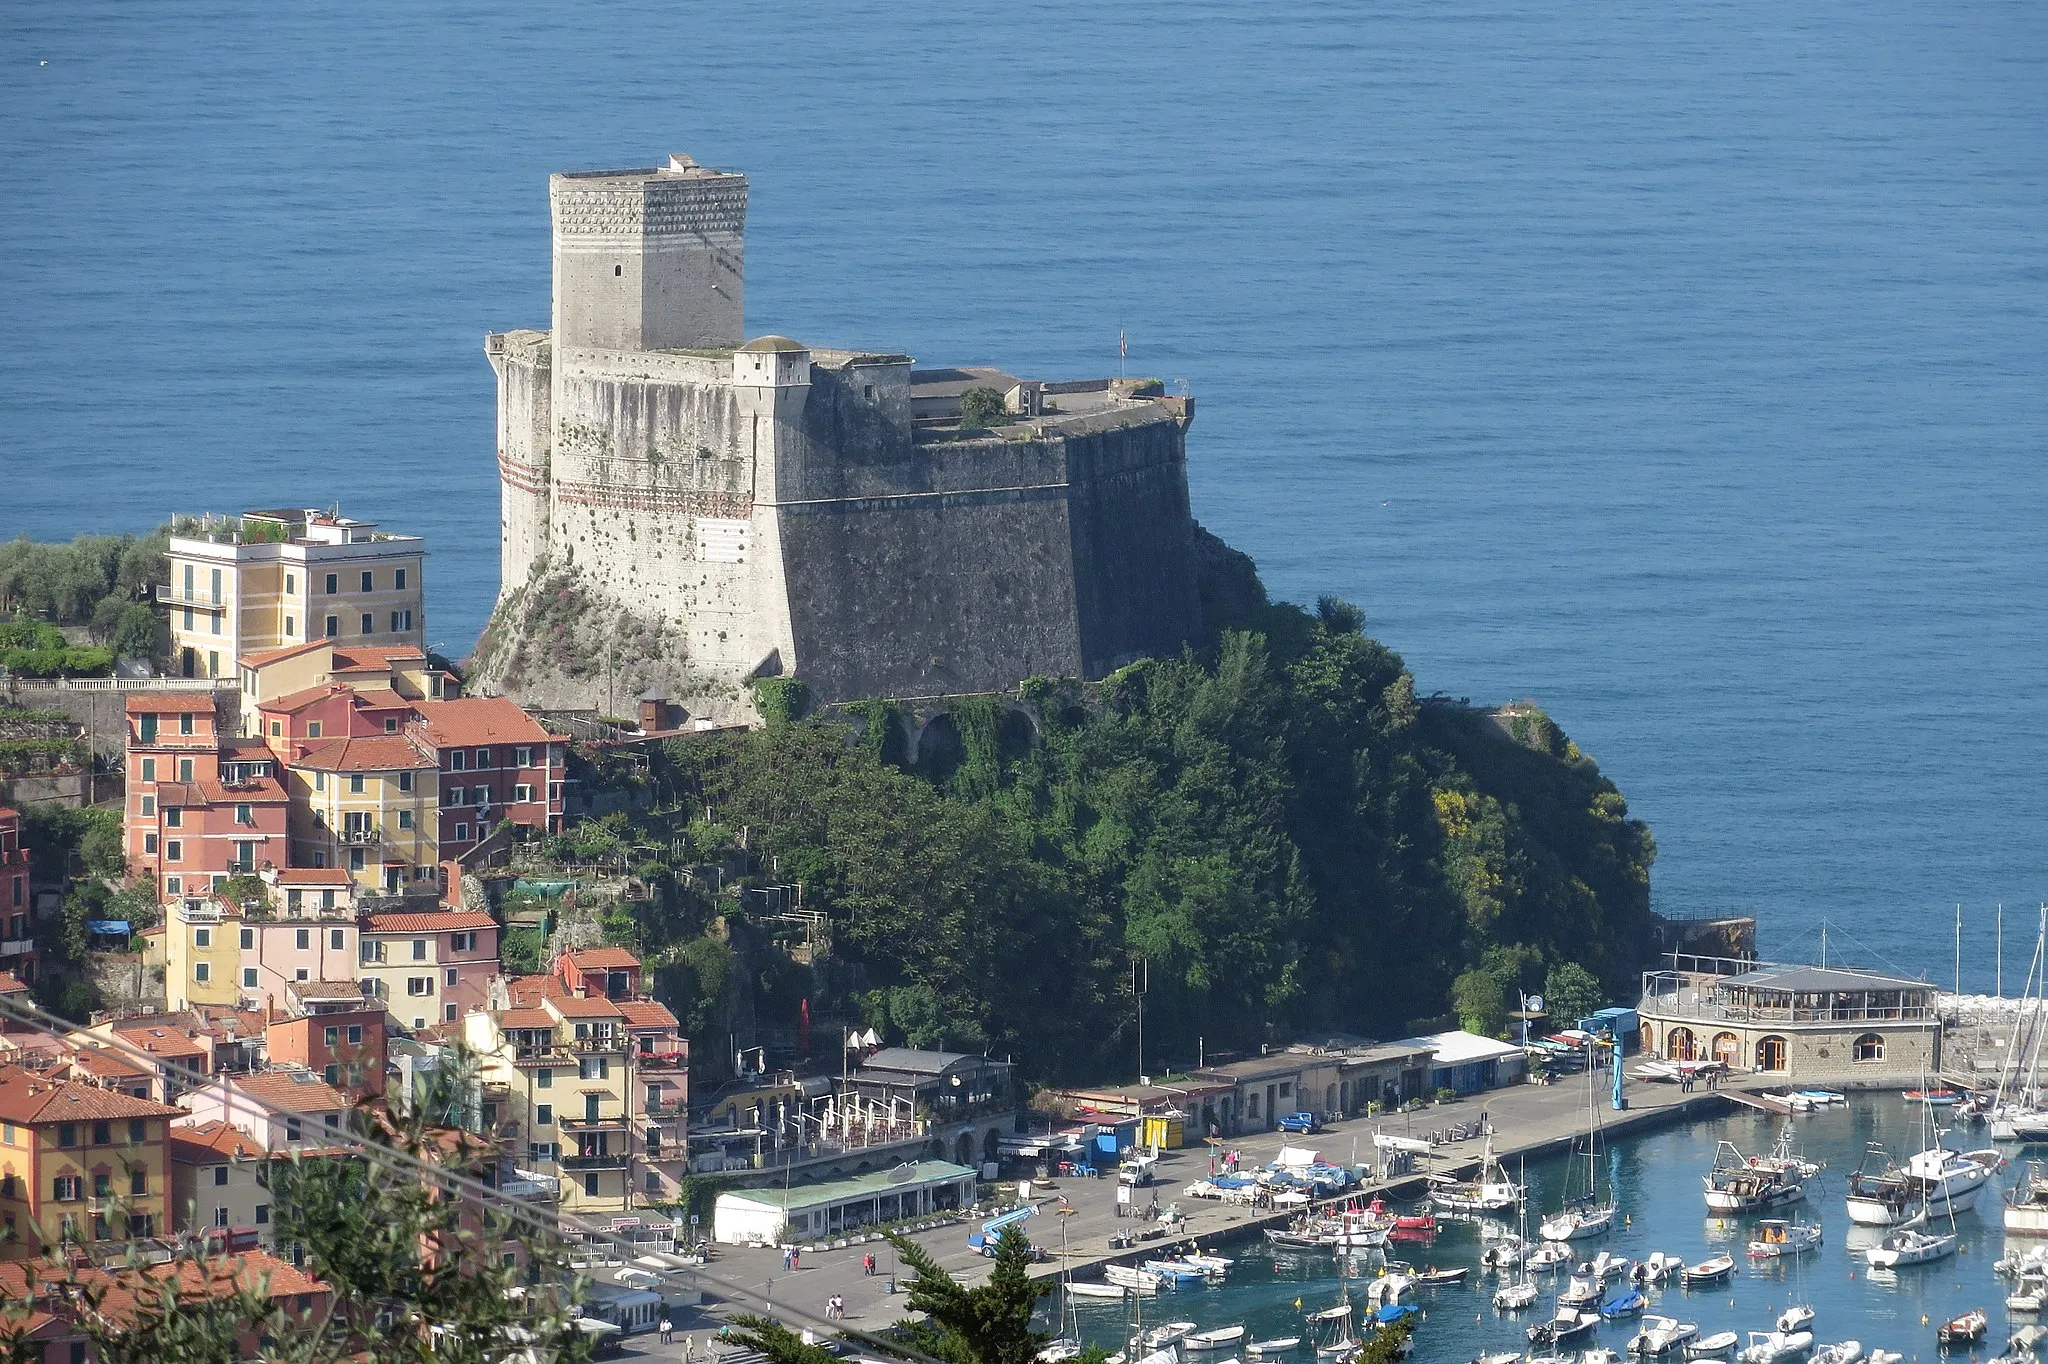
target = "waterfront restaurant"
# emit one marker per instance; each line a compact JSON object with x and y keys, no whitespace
{"x":804,"y":1212}
{"x":1799,"y":1022}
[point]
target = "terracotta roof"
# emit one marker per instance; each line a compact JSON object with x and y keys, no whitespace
{"x":158,"y":703}
{"x":376,"y":753}
{"x":269,"y":656}
{"x":313,"y":876}
{"x":525,"y":1018}
{"x":646,"y":1013}
{"x":381,"y":698}
{"x":327,"y":989}
{"x":68,"y":1100}
{"x":602,"y":958}
{"x":159,"y":1041}
{"x":10,"y":984}
{"x":589,"y":1007}
{"x":103,"y":1064}
{"x":196,"y":1280}
{"x":297,"y":1089}
{"x":251,"y":791}
{"x":531,"y":990}
{"x":211,"y":1143}
{"x":297,"y":701}
{"x":474,"y":721}
{"x":435,"y":921}
{"x":366,"y":658}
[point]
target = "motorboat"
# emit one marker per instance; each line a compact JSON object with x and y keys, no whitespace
{"x":1059,"y":1352}
{"x":1739,"y":1184}
{"x":1795,"y":1319}
{"x":1662,"y":1335}
{"x":1656,"y":1267}
{"x":1712,"y":1270}
{"x":1098,"y":1290}
{"x":1547,"y":1257}
{"x":1503,"y":1254}
{"x":1945,"y":1181}
{"x":1389,"y":1287}
{"x":1885,"y":1357}
{"x":1775,"y":1239}
{"x":1822,"y":1096}
{"x":1436,"y":1278}
{"x":2026,"y":1203}
{"x":1910,"y":1246}
{"x":1568,"y":1324}
{"x":1714,"y":1346}
{"x":1166,"y":1334}
{"x":1491,"y":1192}
{"x":1606,"y":1265}
{"x":1174,"y":1272}
{"x":1966,"y":1329}
{"x":1599,"y":1354}
{"x":1515,"y":1297}
{"x":1216,"y":1338}
{"x":1210,"y":1264}
{"x":1770,"y":1347}
{"x":1579,"y":1293}
{"x":2027,"y":1295}
{"x":1841,"y":1352}
{"x":1500,"y":1357}
{"x":1279,"y":1345}
{"x":1630,"y":1302}
{"x":1934,"y":1098}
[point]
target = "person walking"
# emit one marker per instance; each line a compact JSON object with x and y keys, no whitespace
{"x":689,"y":1349}
{"x":666,"y":1332}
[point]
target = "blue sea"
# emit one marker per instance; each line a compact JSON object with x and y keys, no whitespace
{"x":1679,"y":365}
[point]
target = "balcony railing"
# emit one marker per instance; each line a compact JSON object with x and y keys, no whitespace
{"x":607,"y":1162}
{"x":667,"y":1108}
{"x":539,"y":1188}
{"x":612,"y":1043}
{"x":603,"y":1122}
{"x":662,"y":1060}
{"x":178,"y":596}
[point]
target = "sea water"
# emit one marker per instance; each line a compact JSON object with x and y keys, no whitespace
{"x":1679,"y":365}
{"x":1656,"y":1178}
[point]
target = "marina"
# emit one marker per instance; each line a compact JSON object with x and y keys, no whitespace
{"x":1670,"y":1279}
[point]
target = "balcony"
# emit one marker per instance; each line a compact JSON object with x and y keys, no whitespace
{"x":614,"y":1123}
{"x":199,"y":911}
{"x":655,"y":1062}
{"x":535,"y":1188}
{"x":666,"y":1110}
{"x":16,"y":947}
{"x":177,"y":596}
{"x":606,"y":1162}
{"x":614,"y":1042}
{"x":357,"y":836}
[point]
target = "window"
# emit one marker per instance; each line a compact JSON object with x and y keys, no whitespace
{"x":148,"y":807}
{"x":355,"y":859}
{"x":248,"y":977}
{"x":220,"y":1215}
{"x":202,"y":972}
{"x":590,"y":1186}
{"x":461,"y":942}
{"x":483,"y":759}
{"x":66,"y":1188}
{"x":453,"y":795}
{"x":452,"y":978}
{"x":398,"y":579}
{"x":419,"y":949}
{"x":313,"y":731}
{"x":245,"y":815}
{"x":202,"y":937}
{"x":149,"y":844}
{"x":292,"y":1129}
{"x":523,"y":756}
{"x":188,"y":620}
{"x":337,"y":941}
{"x":522,"y":793}
{"x":187,"y":724}
{"x":291,"y":582}
{"x":369,"y":581}
{"x":405,"y":781}
{"x":173,"y":885}
{"x":302,"y":939}
{"x":355,"y":1034}
{"x":291,"y":627}
{"x":149,"y":764}
{"x":333,"y":626}
{"x":544,"y":1078}
{"x":138,"y":1131}
{"x":174,"y":817}
{"x":332,"y":1035}
{"x":462,"y":833}
{"x":419,"y":985}
{"x":391,"y":724}
{"x":405,"y":819}
{"x":102,"y":1134}
{"x":544,"y":1115}
{"x":263,"y":1209}
{"x":448,"y":1012}
{"x":333,"y":583}
{"x":138,"y":1181}
{"x":1868,"y":1047}
{"x":248,"y":939}
{"x":331,"y":1073}
{"x":174,"y":850}
{"x":401,"y":621}
{"x":480,"y":796}
{"x":220,"y":1175}
{"x":457,"y":760}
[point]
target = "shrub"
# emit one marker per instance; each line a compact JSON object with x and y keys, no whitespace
{"x":781,"y":700}
{"x":981,"y":408}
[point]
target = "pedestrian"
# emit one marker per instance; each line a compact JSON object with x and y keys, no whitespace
{"x":788,"y":1259}
{"x":667,"y":1331}
{"x":796,"y":1258}
{"x":689,"y":1349}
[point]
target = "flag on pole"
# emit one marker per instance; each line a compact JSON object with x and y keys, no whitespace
{"x":1123,"y":344}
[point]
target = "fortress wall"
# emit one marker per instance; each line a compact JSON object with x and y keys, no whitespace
{"x":521,"y":360}
{"x":1135,"y":590}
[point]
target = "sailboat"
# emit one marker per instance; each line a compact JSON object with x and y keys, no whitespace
{"x":1586,"y":1215}
{"x":2018,"y":1114}
{"x":1331,"y":1328}
{"x":1912,"y":1242}
{"x":1492,"y":1191}
{"x":1517,"y":1289}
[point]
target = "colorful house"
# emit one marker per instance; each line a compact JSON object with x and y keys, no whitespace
{"x":17,"y":939}
{"x":427,"y":968}
{"x":201,"y":806}
{"x":78,"y":1162}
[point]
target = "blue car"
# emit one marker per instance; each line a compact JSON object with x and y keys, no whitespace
{"x":1303,"y":1123}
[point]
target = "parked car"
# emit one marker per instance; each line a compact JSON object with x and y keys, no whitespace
{"x":1303,"y":1123}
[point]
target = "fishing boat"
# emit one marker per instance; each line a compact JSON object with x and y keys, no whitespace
{"x":1946,"y":1181}
{"x":1216,"y":1338}
{"x":1288,"y":1239}
{"x":1740,"y":1184}
{"x":1714,"y":1346}
{"x":1279,"y":1345}
{"x":1966,"y":1329}
{"x":1630,"y":1302}
{"x":1174,"y":1272}
{"x":1661,"y":1335}
{"x":1491,"y":1192}
{"x":1568,"y":1324}
{"x":1770,"y":1347}
{"x":1712,"y":1270}
{"x":1586,"y":1215}
{"x":1775,"y":1239}
{"x":1934,"y":1098}
{"x":1165,"y":1335}
{"x":1436,"y":1278}
{"x":1331,"y":1331}
{"x":1097,"y":1290}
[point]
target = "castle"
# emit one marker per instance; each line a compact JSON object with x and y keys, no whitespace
{"x":685,"y":511}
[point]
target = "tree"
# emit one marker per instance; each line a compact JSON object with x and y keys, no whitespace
{"x":1480,"y":1000}
{"x":981,"y":408}
{"x":990,"y":1324}
{"x":136,"y":635}
{"x":1570,"y":993}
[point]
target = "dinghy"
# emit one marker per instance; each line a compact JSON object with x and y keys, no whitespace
{"x":1712,"y":1270}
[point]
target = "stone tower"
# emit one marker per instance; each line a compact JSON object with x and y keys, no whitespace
{"x":649,"y":259}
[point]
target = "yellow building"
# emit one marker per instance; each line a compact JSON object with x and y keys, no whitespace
{"x":368,"y":806}
{"x":270,"y":676}
{"x":78,"y":1162}
{"x":280,"y":578}
{"x":202,"y":952}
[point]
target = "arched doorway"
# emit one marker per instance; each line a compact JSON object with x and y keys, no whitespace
{"x":1728,"y":1049}
{"x":991,"y":1145}
{"x":1330,"y":1099}
{"x":963,"y":1150}
{"x":1678,"y":1044}
{"x":1770,"y":1053}
{"x":1868,"y":1047}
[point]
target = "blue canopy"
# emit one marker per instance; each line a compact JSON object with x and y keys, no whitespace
{"x":1393,"y":1311}
{"x":107,"y":925}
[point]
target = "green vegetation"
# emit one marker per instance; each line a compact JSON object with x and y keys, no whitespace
{"x":1293,"y":842}
{"x":84,"y":848}
{"x":1570,"y":993}
{"x":981,"y":408}
{"x":781,"y":700}
{"x":32,"y":649}
{"x":72,"y":584}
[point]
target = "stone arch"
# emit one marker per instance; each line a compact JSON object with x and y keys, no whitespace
{"x":1868,"y":1047}
{"x":935,"y":1149}
{"x":992,"y":1145}
{"x":963,"y":1149}
{"x":1728,"y":1049}
{"x":1678,"y":1044}
{"x":1770,"y":1053}
{"x":938,"y":752}
{"x":1330,"y":1099}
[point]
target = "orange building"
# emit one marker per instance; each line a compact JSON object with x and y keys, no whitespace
{"x":496,"y":762}
{"x":78,"y":1162}
{"x":51,"y":1324}
{"x":333,"y":1032}
{"x":201,"y":806}
{"x":17,"y":941}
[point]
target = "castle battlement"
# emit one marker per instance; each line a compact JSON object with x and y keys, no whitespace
{"x":738,"y":510}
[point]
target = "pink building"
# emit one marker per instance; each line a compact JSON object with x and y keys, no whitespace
{"x":201,"y":805}
{"x":428,"y":968}
{"x":307,"y":933}
{"x":17,"y":940}
{"x":279,"y":1110}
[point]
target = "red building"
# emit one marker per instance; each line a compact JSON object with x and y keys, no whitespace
{"x":201,"y":806}
{"x":331,"y":1030}
{"x":17,"y":943}
{"x":496,"y":763}
{"x":603,"y":972}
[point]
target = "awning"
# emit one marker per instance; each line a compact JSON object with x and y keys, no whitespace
{"x":107,"y":926}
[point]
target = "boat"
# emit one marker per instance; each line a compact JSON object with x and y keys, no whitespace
{"x":1097,"y":1290}
{"x":1656,"y":1267}
{"x":1885,"y":1357}
{"x":1293,"y":1240}
{"x":1662,"y":1335}
{"x":1606,"y":1265}
{"x":1579,"y":1293}
{"x":1389,"y":1287}
{"x":1740,"y":1184}
{"x":1173,"y":1272}
{"x":1630,"y":1302}
{"x":1795,"y":1319}
{"x":1059,"y":1352}
{"x":1822,"y":1096}
{"x":1910,"y":1245}
{"x":1841,"y":1352}
{"x":1966,"y":1329}
{"x":1769,"y":1347}
{"x":1712,"y":1270}
{"x":1599,"y":1354}
{"x":1517,"y":1291}
{"x":1945,"y":1181}
{"x":1501,"y":1357}
{"x":1569,"y":1323}
{"x":1279,"y":1345}
{"x":2027,"y":1295}
{"x":1713,"y":1346}
{"x":1775,"y":1239}
{"x":1515,"y":1297}
{"x":2026,"y":1203}
{"x":1216,"y":1338}
{"x":1491,"y":1192}
{"x":1129,"y":1276}
{"x":1503,"y":1255}
{"x":1934,"y":1098}
{"x":1433,"y":1278}
{"x":1331,"y":1330}
{"x":1548,"y":1257}
{"x":1212,"y":1264}
{"x":1166,"y":1335}
{"x":1586,"y":1215}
